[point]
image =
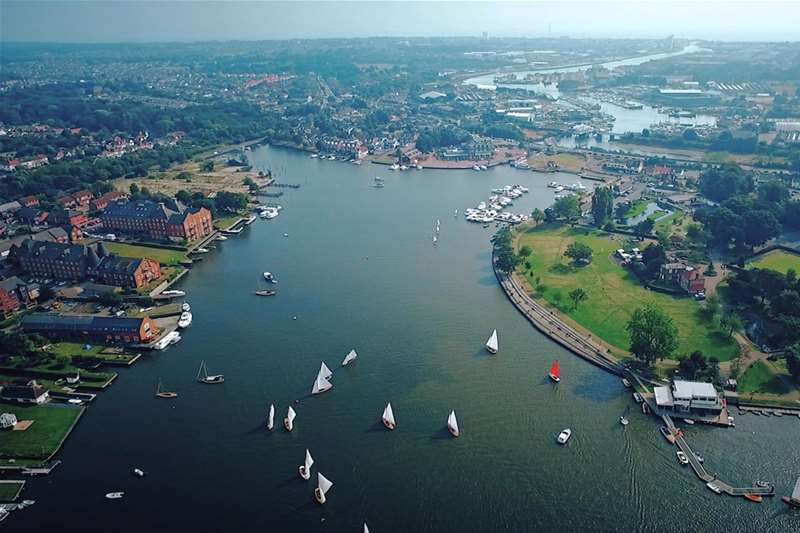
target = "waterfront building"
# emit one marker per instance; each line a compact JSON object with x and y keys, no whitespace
{"x":687,"y":277}
{"x":689,"y":398}
{"x":31,"y":393}
{"x":158,"y":221}
{"x":126,"y":272}
{"x":106,"y":329}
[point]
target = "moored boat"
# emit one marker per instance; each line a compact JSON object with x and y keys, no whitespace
{"x":688,"y":421}
{"x":492,"y":345}
{"x":626,"y":382}
{"x":637,"y":397}
{"x":452,"y":424}
{"x":204,"y":377}
{"x":265,"y":293}
{"x":114,"y":495}
{"x":305,"y":468}
{"x":349,"y":358}
{"x":271,"y":417}
{"x":323,"y":486}
{"x":388,"y":417}
{"x":172,"y":293}
{"x":185,"y":319}
{"x":682,"y":458}
{"x":667,"y":434}
{"x":269,"y":277}
{"x":288,"y":422}
{"x":186,"y":307}
{"x":160,"y":393}
{"x":564,"y":436}
{"x":555,"y":371}
{"x":753,"y":497}
{"x":713,"y":487}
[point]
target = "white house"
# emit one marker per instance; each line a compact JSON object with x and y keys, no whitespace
{"x":689,"y":397}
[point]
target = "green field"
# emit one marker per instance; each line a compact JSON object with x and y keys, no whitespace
{"x":763,"y":377}
{"x":613,"y":292}
{"x":51,"y":424}
{"x":10,"y":489}
{"x":777,"y":260}
{"x":162,"y":255}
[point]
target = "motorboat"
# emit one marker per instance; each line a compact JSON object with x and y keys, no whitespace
{"x":204,"y":377}
{"x":492,"y":345}
{"x":288,"y":422}
{"x":323,"y":486}
{"x":174,"y":337}
{"x":222,"y":238}
{"x":265,"y":293}
{"x":762,"y":484}
{"x":623,"y":420}
{"x":172,"y":293}
{"x":713,"y":487}
{"x":138,"y":472}
{"x":626,"y":383}
{"x":271,"y":417}
{"x":564,"y":436}
{"x":185,"y":320}
{"x":305,"y":468}
{"x":186,"y":307}
{"x":688,"y":421}
{"x":388,"y":417}
{"x":201,"y":250}
{"x":682,"y":458}
{"x":452,"y":424}
{"x":269,"y":277}
{"x":114,"y":495}
{"x":753,"y":497}
{"x":637,"y":397}
{"x":555,"y":372}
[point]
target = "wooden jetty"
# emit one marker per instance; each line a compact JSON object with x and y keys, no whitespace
{"x":701,"y":472}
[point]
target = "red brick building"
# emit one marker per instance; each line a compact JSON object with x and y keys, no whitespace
{"x":688,"y":278}
{"x":9,"y":302}
{"x":29,"y":201}
{"x":101,"y":202}
{"x":127,"y":272}
{"x":158,"y":221}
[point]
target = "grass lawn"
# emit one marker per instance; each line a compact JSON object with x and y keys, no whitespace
{"x":10,"y":489}
{"x":162,"y":255}
{"x":777,"y":260}
{"x":42,"y":438}
{"x":168,"y":273}
{"x":613,"y":292}
{"x":226,"y":222}
{"x":637,"y":208}
{"x":763,"y":377}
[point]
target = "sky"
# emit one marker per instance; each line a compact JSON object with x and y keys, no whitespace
{"x":108,"y":21}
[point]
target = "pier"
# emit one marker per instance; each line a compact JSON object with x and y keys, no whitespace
{"x":545,"y":321}
{"x":701,"y":472}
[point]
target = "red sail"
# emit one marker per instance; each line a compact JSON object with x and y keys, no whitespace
{"x":554,"y":370}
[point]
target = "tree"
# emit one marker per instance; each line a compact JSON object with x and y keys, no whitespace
{"x":643,"y":228}
{"x":577,"y":296}
{"x":525,"y":251}
{"x":134,"y":189}
{"x":207,"y":166}
{"x":537,"y":215}
{"x":760,"y":226}
{"x":183,"y":197}
{"x":567,"y":208}
{"x":731,"y":322}
{"x":602,"y":205}
{"x":653,"y":334}
{"x":579,"y":252}
{"x":508,"y":261}
{"x":774,"y":191}
{"x":693,"y":365}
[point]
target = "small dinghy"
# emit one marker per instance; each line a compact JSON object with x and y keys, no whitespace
{"x":288,"y":422}
{"x":305,"y":468}
{"x":323,"y":486}
{"x":452,"y":424}
{"x":492,"y":345}
{"x":388,"y":417}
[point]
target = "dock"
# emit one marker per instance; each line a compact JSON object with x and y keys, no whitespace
{"x":701,"y":472}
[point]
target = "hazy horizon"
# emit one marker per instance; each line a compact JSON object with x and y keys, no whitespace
{"x":123,"y":21}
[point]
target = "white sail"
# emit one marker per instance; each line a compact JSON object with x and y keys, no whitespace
{"x":290,"y":415}
{"x":796,"y":491}
{"x":271,"y":418}
{"x":388,"y":414}
{"x":324,"y":371}
{"x":349,"y":358}
{"x":321,"y":384}
{"x":323,"y":483}
{"x":492,"y":344}
{"x":309,"y":461}
{"x":366,"y":529}
{"x":434,"y":239}
{"x":452,"y":423}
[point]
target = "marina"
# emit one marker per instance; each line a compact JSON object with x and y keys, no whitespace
{"x":425,"y":354}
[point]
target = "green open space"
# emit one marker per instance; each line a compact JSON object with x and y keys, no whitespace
{"x":636,"y":208}
{"x":613,"y":292}
{"x":51,"y":424}
{"x":164,"y":256}
{"x":9,"y":490}
{"x":226,"y":222}
{"x":764,"y":377}
{"x":168,"y":273}
{"x":778,"y":260}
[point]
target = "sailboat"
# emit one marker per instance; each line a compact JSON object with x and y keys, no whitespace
{"x":388,"y":417}
{"x":435,"y":239}
{"x":452,"y":424}
{"x":366,"y":529}
{"x":555,"y":371}
{"x":321,"y":384}
{"x":164,"y":394}
{"x":794,"y":499}
{"x":288,"y":422}
{"x":305,"y":468}
{"x":271,"y":417}
{"x":349,"y":358}
{"x":203,"y":377}
{"x":323,"y":486}
{"x":492,"y":345}
{"x":455,"y":213}
{"x":324,"y":371}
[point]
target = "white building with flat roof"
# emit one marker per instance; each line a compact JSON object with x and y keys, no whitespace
{"x":689,"y":397}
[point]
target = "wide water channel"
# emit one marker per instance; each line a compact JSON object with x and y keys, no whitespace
{"x":359,"y":270}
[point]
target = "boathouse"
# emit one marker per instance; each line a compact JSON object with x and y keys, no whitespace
{"x":106,"y":329}
{"x":689,"y":398}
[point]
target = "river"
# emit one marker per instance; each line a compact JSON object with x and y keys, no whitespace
{"x":359,"y":270}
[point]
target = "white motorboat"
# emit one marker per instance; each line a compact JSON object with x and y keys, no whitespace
{"x":170,"y":338}
{"x":269,"y":213}
{"x":564,"y":436}
{"x":288,"y":422}
{"x":492,"y":345}
{"x":175,"y":338}
{"x":186,"y":307}
{"x":269,"y":277}
{"x":388,"y":417}
{"x":623,"y":420}
{"x":682,"y":457}
{"x":713,"y":487}
{"x":201,"y":250}
{"x":271,"y":417}
{"x":349,"y":358}
{"x":222,"y":238}
{"x":185,"y":320}
{"x":138,"y":472}
{"x":323,"y":486}
{"x":75,"y":401}
{"x":114,"y":495}
{"x":173,"y":293}
{"x":305,"y":468}
{"x":452,"y":424}
{"x":688,"y":421}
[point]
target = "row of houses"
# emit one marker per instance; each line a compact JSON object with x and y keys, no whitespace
{"x":94,"y":328}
